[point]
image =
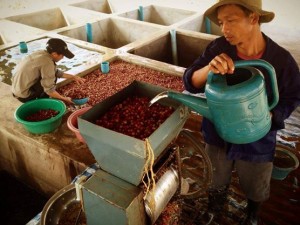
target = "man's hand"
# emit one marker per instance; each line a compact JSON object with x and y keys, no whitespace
{"x":222,"y":64}
{"x":68,"y":100}
{"x":56,"y":95}
{"x":78,"y":80}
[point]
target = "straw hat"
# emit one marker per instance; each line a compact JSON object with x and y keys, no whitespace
{"x":252,"y":5}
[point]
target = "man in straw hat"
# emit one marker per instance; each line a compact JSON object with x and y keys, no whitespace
{"x":242,"y":39}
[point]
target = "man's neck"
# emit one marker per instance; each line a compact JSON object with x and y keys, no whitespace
{"x":253,"y":46}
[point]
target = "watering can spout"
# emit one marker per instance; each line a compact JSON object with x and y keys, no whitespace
{"x":197,"y":104}
{"x":158,"y":97}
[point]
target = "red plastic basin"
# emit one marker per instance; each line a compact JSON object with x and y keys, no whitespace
{"x":73,"y":124}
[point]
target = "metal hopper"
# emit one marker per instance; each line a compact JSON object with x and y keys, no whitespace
{"x":122,"y":155}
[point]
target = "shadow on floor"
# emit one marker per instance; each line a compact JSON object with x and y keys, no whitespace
{"x":18,"y":202}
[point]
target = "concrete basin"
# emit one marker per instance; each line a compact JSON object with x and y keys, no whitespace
{"x":84,"y":58}
{"x":14,"y":32}
{"x":189,"y":46}
{"x":50,"y":19}
{"x":95,"y":5}
{"x":158,"y":14}
{"x":112,"y":33}
{"x":75,"y":15}
{"x":199,"y":23}
{"x":56,"y":18}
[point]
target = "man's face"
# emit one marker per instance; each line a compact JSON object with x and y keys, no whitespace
{"x":56,"y":56}
{"x":235,"y":24}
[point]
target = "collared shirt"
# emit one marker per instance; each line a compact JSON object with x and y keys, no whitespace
{"x":36,"y":67}
{"x":288,"y":81}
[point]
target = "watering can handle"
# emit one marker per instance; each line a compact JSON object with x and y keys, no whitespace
{"x":271,"y":71}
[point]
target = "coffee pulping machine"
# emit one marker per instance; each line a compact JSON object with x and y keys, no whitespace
{"x":137,"y":178}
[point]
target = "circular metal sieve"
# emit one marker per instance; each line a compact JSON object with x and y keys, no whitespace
{"x":59,"y":204}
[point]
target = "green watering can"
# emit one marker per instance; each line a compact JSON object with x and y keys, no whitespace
{"x":236,"y":103}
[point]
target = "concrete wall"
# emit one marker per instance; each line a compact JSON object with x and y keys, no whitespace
{"x":286,"y":13}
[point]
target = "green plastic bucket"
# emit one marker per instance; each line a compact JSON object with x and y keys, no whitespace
{"x":284,"y":162}
{"x":44,"y":126}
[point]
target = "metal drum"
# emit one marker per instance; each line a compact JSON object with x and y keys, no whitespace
{"x":161,"y":194}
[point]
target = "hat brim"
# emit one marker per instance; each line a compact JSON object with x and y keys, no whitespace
{"x":211,"y":13}
{"x":68,"y":54}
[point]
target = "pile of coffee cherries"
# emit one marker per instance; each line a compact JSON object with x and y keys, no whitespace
{"x":76,"y":94}
{"x":42,"y":114}
{"x":134,"y":117}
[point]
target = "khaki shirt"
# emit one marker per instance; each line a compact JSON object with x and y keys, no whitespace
{"x":36,"y":67}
